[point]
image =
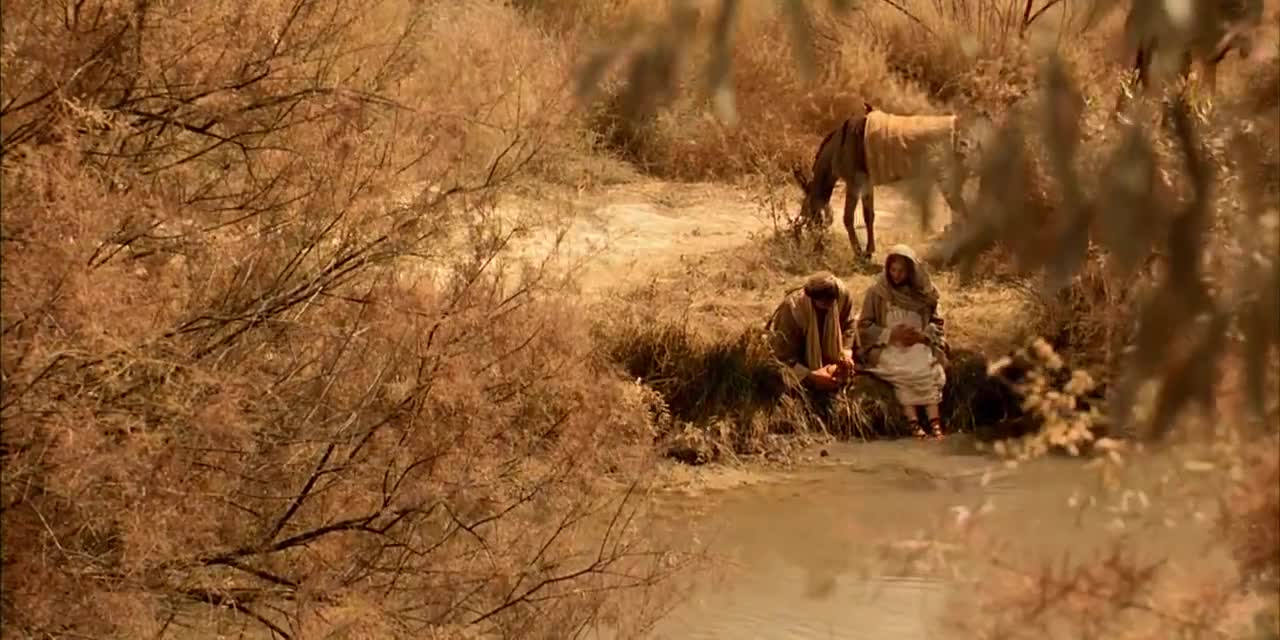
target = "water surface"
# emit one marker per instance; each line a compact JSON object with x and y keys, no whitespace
{"x":836,"y":550}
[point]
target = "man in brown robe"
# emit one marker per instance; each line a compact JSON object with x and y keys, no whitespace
{"x":813,"y":333}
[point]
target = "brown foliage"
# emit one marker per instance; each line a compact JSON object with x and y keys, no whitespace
{"x":262,"y":365}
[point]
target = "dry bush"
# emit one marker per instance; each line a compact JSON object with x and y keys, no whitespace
{"x":909,"y":59}
{"x":967,"y":51}
{"x":580,"y":18}
{"x":781,"y":116}
{"x":263,"y":369}
{"x":778,"y":115}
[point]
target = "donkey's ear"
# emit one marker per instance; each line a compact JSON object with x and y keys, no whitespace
{"x":801,"y":180}
{"x":867,"y":106}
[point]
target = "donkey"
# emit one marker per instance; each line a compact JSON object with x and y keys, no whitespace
{"x":875,"y":148}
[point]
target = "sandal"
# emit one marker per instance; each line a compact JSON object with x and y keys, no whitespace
{"x":916,"y":430}
{"x":935,"y":425}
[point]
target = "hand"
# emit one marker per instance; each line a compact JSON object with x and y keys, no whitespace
{"x":825,"y":378}
{"x":900,"y":335}
{"x":845,"y":368}
{"x":916,"y":336}
{"x":906,"y":336}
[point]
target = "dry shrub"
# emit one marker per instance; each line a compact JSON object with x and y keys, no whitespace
{"x":968,"y":51}
{"x":1109,"y":594}
{"x":249,"y":382}
{"x":579,"y":18}
{"x":698,"y":377}
{"x":1116,"y":592}
{"x":780,"y":115}
{"x":1125,"y":187}
{"x":915,"y":59}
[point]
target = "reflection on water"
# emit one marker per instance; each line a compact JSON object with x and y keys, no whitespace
{"x":805,"y":557}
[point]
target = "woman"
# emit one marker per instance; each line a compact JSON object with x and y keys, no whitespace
{"x":902,"y":338}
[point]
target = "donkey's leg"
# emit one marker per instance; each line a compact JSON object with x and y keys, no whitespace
{"x":853,"y":193}
{"x":869,"y":216}
{"x":819,"y":225}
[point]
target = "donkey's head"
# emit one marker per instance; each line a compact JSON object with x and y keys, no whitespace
{"x":808,"y":214}
{"x":801,"y":179}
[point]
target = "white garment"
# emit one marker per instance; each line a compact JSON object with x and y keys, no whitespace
{"x":916,"y":376}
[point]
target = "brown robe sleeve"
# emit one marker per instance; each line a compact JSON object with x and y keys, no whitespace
{"x":848,"y":328}
{"x":786,"y":339}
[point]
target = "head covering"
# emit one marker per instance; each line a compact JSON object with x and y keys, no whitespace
{"x":917,"y":294}
{"x":822,"y":285}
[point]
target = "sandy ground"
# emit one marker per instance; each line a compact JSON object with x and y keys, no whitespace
{"x":619,"y":236}
{"x":624,"y":234}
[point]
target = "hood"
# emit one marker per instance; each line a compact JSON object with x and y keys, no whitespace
{"x":901,"y":250}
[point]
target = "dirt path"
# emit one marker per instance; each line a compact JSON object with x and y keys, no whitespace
{"x":630,"y":232}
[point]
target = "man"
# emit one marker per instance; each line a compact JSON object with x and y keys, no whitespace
{"x":812,"y":333}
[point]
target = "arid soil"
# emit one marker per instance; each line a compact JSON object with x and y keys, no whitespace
{"x":635,"y":231}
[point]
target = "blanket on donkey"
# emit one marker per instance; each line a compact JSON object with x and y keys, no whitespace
{"x":897,"y":145}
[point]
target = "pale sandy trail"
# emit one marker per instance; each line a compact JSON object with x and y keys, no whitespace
{"x":629,"y":233}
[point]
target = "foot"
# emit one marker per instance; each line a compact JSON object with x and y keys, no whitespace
{"x":916,"y":430}
{"x":935,"y":428}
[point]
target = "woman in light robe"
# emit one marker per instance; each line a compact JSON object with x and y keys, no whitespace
{"x":902,"y":339}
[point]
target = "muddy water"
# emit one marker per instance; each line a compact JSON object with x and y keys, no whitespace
{"x":826,"y":551}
